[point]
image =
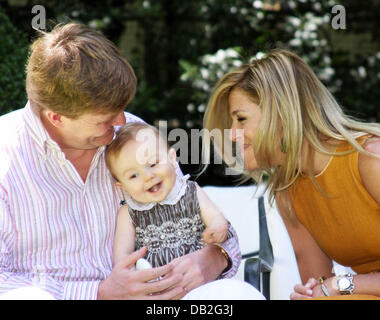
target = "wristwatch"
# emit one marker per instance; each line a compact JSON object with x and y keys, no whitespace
{"x":345,"y":283}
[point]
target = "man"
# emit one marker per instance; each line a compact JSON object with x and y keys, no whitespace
{"x":58,"y":202}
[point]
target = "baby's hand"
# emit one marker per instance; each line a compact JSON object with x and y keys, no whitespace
{"x":216,"y":232}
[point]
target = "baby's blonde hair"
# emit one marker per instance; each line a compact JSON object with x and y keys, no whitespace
{"x":126,"y":133}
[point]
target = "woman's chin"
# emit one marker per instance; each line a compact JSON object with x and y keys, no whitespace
{"x":250,"y":165}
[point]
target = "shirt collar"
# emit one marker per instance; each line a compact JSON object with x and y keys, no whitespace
{"x":39,"y":133}
{"x":37,"y":130}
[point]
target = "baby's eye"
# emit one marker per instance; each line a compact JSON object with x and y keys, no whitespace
{"x":133,"y":176}
{"x":156,"y":162}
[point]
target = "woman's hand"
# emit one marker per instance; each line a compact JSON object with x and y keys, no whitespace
{"x":313,"y":289}
{"x":304,"y":291}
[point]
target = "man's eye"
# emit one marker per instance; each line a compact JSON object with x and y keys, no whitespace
{"x":240,"y":119}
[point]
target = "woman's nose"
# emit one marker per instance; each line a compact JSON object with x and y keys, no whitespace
{"x":232,"y":133}
{"x":236,"y":135}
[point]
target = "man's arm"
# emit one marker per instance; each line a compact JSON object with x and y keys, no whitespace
{"x":11,"y":278}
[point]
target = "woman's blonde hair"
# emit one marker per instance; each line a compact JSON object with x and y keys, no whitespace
{"x":73,"y":70}
{"x":295,"y":106}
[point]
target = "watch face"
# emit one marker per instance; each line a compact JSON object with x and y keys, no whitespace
{"x":344,"y":283}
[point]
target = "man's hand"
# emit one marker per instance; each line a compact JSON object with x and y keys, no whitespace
{"x":125,"y":283}
{"x":199,"y":267}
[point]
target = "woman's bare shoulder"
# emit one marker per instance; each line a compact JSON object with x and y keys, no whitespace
{"x":369,"y":167}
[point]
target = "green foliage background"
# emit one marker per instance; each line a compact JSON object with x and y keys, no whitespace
{"x":13,"y":53}
{"x":180,"y":48}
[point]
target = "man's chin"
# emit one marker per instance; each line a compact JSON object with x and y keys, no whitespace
{"x":104,"y":140}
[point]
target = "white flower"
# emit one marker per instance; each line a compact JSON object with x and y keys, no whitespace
{"x":295,"y":42}
{"x":362,"y":72}
{"x":260,"y":55}
{"x":295,"y":21}
{"x":205,"y":73}
{"x":201,"y":108}
{"x":190,"y":107}
{"x":257,"y":4}
{"x":220,"y":55}
{"x":231,"y":53}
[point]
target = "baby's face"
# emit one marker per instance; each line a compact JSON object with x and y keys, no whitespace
{"x":146,"y":170}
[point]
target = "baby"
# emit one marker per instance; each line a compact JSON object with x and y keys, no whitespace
{"x":163,"y":210}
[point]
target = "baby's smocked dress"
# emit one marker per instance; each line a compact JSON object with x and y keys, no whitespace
{"x":173,"y":228}
{"x":169,"y":230}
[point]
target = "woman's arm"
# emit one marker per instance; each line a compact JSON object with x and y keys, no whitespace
{"x":369,"y":169}
{"x":312,"y":261}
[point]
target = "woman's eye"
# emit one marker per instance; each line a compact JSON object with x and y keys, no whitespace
{"x":240,"y":119}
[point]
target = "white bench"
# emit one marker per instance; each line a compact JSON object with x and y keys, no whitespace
{"x":240,"y":206}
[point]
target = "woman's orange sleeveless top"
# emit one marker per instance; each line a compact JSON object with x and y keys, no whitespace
{"x":346,"y":224}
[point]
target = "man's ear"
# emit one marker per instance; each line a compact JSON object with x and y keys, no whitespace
{"x":54,"y":118}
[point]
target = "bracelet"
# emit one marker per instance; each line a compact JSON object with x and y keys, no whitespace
{"x":323,"y":286}
{"x":225,"y":254}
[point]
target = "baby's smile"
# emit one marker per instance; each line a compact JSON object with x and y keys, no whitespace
{"x":155,"y":188}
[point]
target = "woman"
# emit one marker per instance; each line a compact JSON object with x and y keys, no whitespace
{"x":322,"y":169}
